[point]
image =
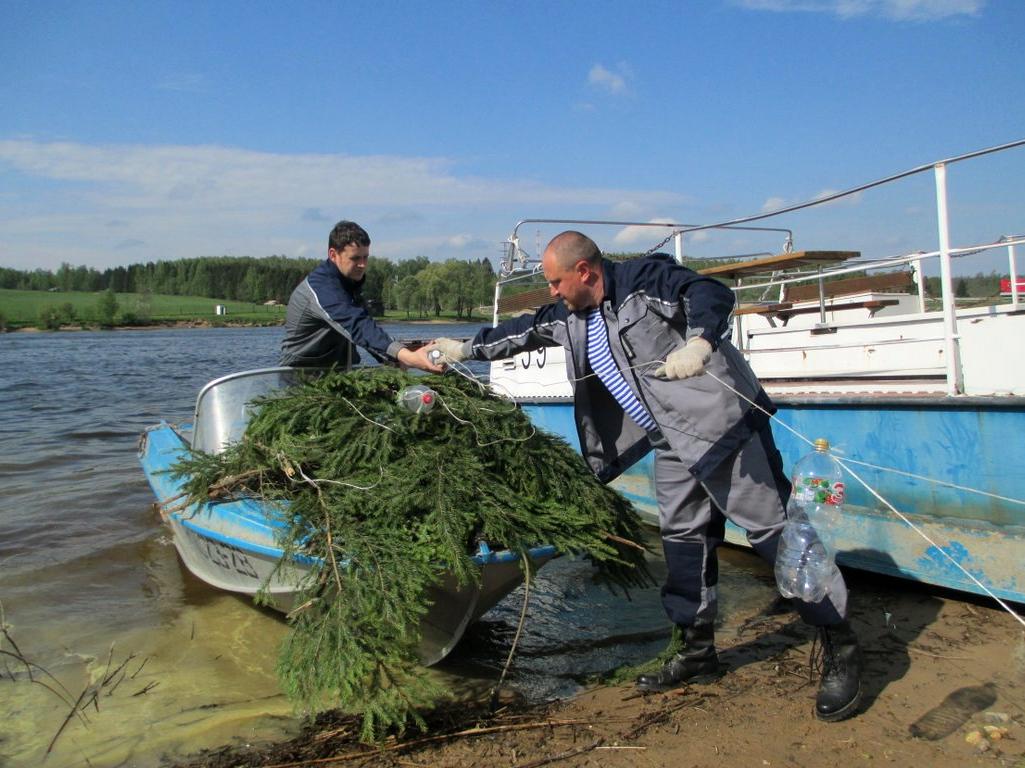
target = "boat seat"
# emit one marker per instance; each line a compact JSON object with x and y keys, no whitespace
{"x":900,"y":281}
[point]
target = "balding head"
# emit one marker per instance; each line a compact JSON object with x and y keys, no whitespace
{"x":572,"y":267}
{"x":567,"y":248}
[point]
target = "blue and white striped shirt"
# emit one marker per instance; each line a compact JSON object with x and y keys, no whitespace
{"x":602,"y":363}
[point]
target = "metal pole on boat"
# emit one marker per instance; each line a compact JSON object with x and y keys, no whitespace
{"x":1013,"y":273}
{"x":678,"y":242}
{"x":951,"y":345}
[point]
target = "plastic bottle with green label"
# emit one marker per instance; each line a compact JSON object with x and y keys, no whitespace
{"x":805,"y":560}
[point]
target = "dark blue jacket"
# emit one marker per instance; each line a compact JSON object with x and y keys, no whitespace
{"x":651,"y":306}
{"x":327,"y":319}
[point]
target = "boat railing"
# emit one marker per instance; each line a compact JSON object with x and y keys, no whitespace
{"x":517,"y":260}
{"x":951,"y":340}
{"x":862,"y":322}
{"x":912,"y":261}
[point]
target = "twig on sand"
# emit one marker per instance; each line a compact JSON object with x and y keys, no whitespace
{"x":401,"y":745}
{"x":76,"y":709}
{"x":658,"y":717}
{"x":912,"y":649}
{"x":563,"y":755}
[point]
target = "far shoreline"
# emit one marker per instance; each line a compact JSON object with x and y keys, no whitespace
{"x":206,"y":324}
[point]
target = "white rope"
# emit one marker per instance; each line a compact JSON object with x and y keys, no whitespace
{"x":936,"y":546}
{"x":471,"y":425}
{"x":890,"y":506}
{"x":466,"y":373}
{"x":317,"y":481}
{"x":857,"y":477}
{"x":943,"y":483}
{"x":891,"y":470}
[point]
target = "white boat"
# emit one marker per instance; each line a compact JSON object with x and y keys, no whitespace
{"x":233,"y":546}
{"x":925,"y":404}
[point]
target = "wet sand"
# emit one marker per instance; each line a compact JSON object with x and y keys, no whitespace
{"x":938,"y":667}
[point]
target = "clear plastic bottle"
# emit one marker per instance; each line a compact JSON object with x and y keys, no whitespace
{"x":417,"y":398}
{"x":805,"y":560}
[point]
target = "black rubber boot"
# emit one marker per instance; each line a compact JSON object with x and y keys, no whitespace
{"x":697,"y":662}
{"x":840,"y":688}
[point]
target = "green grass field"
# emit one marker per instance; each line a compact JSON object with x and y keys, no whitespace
{"x":26,"y":308}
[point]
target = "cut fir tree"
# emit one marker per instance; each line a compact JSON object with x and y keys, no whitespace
{"x":380,"y":503}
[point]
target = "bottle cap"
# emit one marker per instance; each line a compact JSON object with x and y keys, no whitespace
{"x":821,"y":444}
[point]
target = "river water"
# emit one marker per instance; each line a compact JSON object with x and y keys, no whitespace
{"x":91,"y":587}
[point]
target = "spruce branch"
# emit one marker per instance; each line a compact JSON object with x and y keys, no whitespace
{"x":380,"y":504}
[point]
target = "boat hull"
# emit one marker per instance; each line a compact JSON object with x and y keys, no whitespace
{"x":232,"y":546}
{"x":961,"y":442}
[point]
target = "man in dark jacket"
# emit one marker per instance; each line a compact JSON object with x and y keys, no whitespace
{"x":638,"y":335}
{"x":327,"y":317}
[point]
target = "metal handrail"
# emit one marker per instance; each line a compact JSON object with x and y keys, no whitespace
{"x":895,"y":261}
{"x":513,"y":241}
{"x":954,"y":374}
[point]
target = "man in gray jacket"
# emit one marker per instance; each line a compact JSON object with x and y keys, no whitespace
{"x":638,"y":335}
{"x":327,"y":318}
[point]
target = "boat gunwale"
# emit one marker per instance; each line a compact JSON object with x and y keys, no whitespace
{"x":222,"y":508}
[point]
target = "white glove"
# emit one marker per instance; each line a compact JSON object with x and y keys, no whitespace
{"x":689,"y":360}
{"x":452,"y":351}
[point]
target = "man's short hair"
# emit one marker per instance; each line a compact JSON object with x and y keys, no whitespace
{"x":346,"y":233}
{"x":571,"y":246}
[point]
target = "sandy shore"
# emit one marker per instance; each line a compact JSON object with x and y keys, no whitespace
{"x":943,"y":687}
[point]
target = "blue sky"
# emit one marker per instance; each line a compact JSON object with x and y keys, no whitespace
{"x":137,"y":131}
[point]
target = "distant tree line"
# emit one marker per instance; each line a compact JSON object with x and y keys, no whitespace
{"x":418,"y":287}
{"x":977,"y":286}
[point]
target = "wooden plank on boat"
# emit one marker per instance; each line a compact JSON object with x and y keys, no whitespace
{"x":768,"y":264}
{"x":762,"y":309}
{"x":886,"y":281}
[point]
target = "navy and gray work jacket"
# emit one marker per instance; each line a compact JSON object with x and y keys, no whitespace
{"x":327,"y":319}
{"x":651,"y":306}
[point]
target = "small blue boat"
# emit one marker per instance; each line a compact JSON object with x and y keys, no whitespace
{"x":233,"y":545}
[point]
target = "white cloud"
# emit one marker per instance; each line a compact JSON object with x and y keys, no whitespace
{"x":851,"y":200}
{"x":606,"y":79}
{"x":897,"y":10}
{"x":208,"y":200}
{"x":777,"y":203}
{"x":196,"y":177}
{"x":627,"y":209}
{"x":633,"y":235}
{"x":465,"y":241}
